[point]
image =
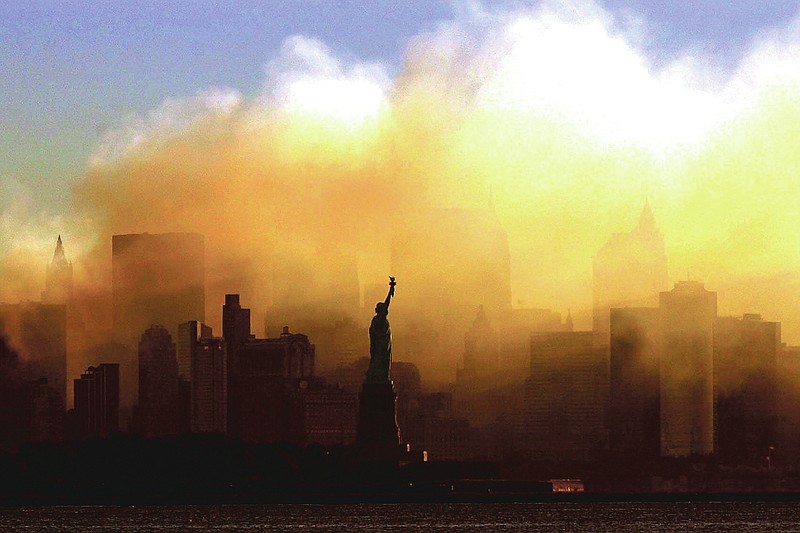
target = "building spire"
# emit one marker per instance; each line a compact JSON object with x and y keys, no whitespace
{"x":647,"y":222}
{"x":58,"y":255}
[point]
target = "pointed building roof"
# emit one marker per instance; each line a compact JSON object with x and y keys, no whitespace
{"x":647,"y":222}
{"x":58,"y":255}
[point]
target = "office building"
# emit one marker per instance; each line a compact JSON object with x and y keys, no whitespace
{"x":687,"y":315}
{"x":158,"y":410}
{"x":633,"y":416}
{"x":566,"y":396}
{"x":745,"y":388}
{"x":96,"y":401}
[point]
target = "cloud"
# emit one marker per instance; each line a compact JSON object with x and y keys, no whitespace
{"x":557,"y":106}
{"x":306,"y":79}
{"x":175,"y":117}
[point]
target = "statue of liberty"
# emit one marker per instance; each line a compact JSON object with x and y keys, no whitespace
{"x":380,"y":341}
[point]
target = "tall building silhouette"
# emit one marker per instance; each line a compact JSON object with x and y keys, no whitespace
{"x":157,"y":412}
{"x":156,"y":279}
{"x":202,"y":367}
{"x":634,"y":418}
{"x":745,"y":388}
{"x":58,"y":283}
{"x":96,"y":400}
{"x":687,"y":315}
{"x":629,"y":270}
{"x":236,"y":332}
{"x":272,"y":376}
{"x":566,"y":396}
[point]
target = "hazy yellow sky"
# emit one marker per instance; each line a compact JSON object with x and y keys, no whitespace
{"x":556,"y":108}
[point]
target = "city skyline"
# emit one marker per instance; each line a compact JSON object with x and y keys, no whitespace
{"x":465,"y":104}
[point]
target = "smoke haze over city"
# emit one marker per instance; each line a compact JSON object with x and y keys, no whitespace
{"x":554,"y":110}
{"x":584,"y":213}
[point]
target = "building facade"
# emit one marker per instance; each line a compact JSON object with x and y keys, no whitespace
{"x":566,"y":396}
{"x":687,"y":315}
{"x":158,"y":409}
{"x":96,"y":401}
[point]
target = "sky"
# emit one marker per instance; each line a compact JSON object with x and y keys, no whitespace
{"x":572,"y":112}
{"x":74,"y":69}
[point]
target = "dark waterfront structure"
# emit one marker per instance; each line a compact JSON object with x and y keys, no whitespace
{"x":96,"y":400}
{"x":158,"y":409}
{"x":155,"y":279}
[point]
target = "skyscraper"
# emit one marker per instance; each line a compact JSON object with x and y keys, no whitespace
{"x":209,"y":386}
{"x":273,"y":374}
{"x":202,"y":370}
{"x":58,"y":283}
{"x":236,"y":332}
{"x":156,"y":279}
{"x":629,"y":271}
{"x":745,"y":388}
{"x":96,"y":399}
{"x":687,"y":315}
{"x":566,"y":396}
{"x":634,"y":383}
{"x":157,"y":412}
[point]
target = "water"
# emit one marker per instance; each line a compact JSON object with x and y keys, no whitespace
{"x":611,"y":517}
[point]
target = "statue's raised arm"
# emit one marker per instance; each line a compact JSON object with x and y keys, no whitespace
{"x":392,"y":283}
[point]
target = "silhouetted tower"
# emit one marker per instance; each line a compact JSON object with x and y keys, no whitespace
{"x":634,"y":419}
{"x":566,"y":395}
{"x":158,"y":383}
{"x":202,"y":370}
{"x":96,"y":396}
{"x":745,"y":388}
{"x":236,"y":332}
{"x":687,"y":315}
{"x":272,"y":374}
{"x":629,"y":271}
{"x":58,"y":284}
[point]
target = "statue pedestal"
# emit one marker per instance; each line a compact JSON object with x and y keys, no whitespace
{"x":378,"y":438}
